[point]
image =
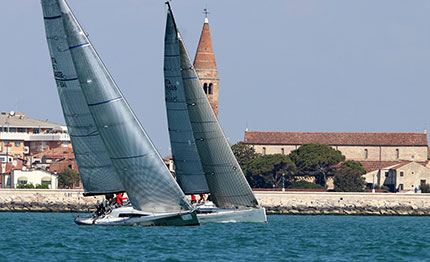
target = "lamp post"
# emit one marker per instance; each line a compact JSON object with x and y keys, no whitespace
{"x":283,"y":182}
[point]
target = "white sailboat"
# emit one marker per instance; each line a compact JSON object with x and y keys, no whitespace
{"x":113,"y":151}
{"x":202,"y":155}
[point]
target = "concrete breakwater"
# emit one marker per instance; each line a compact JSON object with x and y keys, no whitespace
{"x":297,"y":203}
{"x":342,"y":203}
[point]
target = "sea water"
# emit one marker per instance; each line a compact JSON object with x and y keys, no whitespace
{"x":55,"y":237}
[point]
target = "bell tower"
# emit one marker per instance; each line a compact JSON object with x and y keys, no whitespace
{"x":205,"y":65}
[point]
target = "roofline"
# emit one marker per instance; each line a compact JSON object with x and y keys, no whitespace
{"x":287,"y":144}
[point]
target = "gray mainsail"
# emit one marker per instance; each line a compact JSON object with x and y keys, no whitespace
{"x":188,"y":168}
{"x":146,"y":179}
{"x":227,"y":184}
{"x":95,"y":167}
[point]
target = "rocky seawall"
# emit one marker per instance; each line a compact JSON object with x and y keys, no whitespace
{"x":334,"y":203}
{"x":292,"y":203}
{"x":43,"y":200}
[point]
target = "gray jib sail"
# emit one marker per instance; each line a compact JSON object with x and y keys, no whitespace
{"x":147,"y":181}
{"x":96,"y":170}
{"x":227,"y":184}
{"x":188,"y":168}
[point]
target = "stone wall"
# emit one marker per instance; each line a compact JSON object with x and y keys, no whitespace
{"x":330,"y":203}
{"x":39,"y":200}
{"x":300,"y":203}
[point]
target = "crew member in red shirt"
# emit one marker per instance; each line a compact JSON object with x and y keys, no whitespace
{"x":193,"y":199}
{"x":120,"y":199}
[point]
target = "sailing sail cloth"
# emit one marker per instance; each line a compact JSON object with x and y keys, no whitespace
{"x":188,"y":168}
{"x":146,"y":179}
{"x":226,"y":182}
{"x":95,"y":167}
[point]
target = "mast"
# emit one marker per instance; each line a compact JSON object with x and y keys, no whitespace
{"x":96,"y":170}
{"x":227,"y":184}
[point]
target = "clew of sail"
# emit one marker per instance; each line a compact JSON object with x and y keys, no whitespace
{"x":226,"y":182}
{"x":146,"y":179}
{"x":96,"y":170}
{"x":188,"y":168}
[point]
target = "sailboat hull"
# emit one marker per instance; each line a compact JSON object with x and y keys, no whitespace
{"x":219,"y":215}
{"x":127,"y":216}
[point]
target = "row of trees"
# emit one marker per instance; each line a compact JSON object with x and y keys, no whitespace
{"x":309,"y":160}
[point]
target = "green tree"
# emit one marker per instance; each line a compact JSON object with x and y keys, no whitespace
{"x":349,"y":179}
{"x":244,"y":154}
{"x":266,"y":171}
{"x":68,"y":178}
{"x":304,"y":185}
{"x":316,"y":160}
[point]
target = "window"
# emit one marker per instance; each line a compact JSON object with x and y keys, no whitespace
{"x":35,"y":131}
{"x":66,"y":144}
{"x":397,"y":154}
{"x":366,"y":153}
{"x":386,"y":174}
{"x":264,"y":151}
{"x":210,"y":89}
{"x":205,"y":88}
{"x":17,"y":143}
{"x":43,"y":145}
{"x":22,"y":180}
{"x":423,"y":182}
{"x":400,"y":187}
{"x":282,"y":151}
{"x":401,"y":173}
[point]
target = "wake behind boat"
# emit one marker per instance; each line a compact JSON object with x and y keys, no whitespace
{"x":108,"y":139}
{"x":203,"y":158}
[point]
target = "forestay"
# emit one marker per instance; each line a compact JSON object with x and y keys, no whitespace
{"x":227,"y":184}
{"x":95,"y":167}
{"x":188,"y":168}
{"x":148,"y":183}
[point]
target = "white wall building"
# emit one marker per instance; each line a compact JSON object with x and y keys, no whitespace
{"x":35,"y":177}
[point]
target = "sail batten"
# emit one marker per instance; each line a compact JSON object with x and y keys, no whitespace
{"x":95,"y":167}
{"x":225,"y":179}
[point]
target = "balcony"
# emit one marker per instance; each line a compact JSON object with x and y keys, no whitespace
{"x":12,"y":136}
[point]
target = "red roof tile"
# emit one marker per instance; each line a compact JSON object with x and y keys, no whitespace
{"x":336,"y":138}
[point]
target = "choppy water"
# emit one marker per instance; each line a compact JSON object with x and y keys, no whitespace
{"x":54,"y":237}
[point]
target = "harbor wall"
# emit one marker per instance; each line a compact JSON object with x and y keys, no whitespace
{"x":295,"y":203}
{"x":343,"y":203}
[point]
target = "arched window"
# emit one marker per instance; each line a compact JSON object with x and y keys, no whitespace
{"x":205,"y":88}
{"x":366,"y":154}
{"x":210,"y":89}
{"x":22,"y":180}
{"x":264,"y":151}
{"x":282,"y":151}
{"x":397,"y":154}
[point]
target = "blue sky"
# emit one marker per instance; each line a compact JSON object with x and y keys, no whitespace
{"x":302,"y":65}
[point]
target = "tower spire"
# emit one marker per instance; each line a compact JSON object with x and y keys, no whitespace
{"x":205,"y":65}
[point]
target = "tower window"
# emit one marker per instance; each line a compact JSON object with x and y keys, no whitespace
{"x":205,"y":88}
{"x":397,"y":154}
{"x":282,"y":151}
{"x":264,"y":151}
{"x":366,"y":153}
{"x":210,"y":89}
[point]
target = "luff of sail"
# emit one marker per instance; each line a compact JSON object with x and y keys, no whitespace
{"x":188,"y":168}
{"x":95,"y":167}
{"x":148,"y":183}
{"x":227,"y":184}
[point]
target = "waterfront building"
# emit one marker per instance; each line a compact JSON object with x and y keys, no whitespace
{"x":205,"y":65}
{"x":21,"y":136}
{"x":30,"y":176}
{"x":396,"y":160}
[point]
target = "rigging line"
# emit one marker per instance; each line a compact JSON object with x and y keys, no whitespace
{"x":104,"y":102}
